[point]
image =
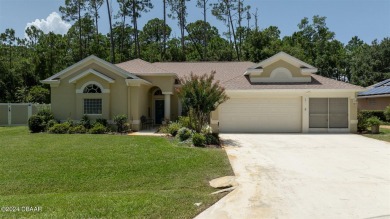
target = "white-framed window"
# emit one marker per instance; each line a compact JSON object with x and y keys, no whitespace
{"x":93,"y":106}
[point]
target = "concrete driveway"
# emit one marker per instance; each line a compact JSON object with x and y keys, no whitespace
{"x":306,"y":176}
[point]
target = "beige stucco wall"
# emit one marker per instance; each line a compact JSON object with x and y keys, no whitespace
{"x":63,"y":101}
{"x":165,"y":83}
{"x":67,"y":104}
{"x":374,"y":103}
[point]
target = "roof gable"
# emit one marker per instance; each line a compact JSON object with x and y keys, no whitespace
{"x":90,"y":59}
{"x":141,"y":67}
{"x":286,"y":57}
{"x":281,"y":67}
{"x":88,"y":72}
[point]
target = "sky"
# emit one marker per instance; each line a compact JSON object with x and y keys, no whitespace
{"x":367,"y":19}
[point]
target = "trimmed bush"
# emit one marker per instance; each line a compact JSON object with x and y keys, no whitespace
{"x":61,"y":128}
{"x":36,"y":124}
{"x":51,"y":123}
{"x":46,"y":115}
{"x":387,"y":113}
{"x":185,"y":122}
{"x":212,"y":139}
{"x":102,"y":121}
{"x":98,"y":129}
{"x":80,"y":129}
{"x":85,"y":121}
{"x":198,"y":140}
{"x":173,"y":128}
{"x":373,"y":121}
{"x":120,"y":121}
{"x":184,"y":133}
{"x":362,"y":122}
{"x":377,"y":113}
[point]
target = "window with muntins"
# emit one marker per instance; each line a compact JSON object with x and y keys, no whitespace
{"x":92,"y":89}
{"x":92,"y":106}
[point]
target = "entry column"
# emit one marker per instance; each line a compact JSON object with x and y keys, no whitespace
{"x":167,"y":105}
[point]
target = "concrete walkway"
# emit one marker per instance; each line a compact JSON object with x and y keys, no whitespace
{"x":147,"y":132}
{"x":306,"y":176}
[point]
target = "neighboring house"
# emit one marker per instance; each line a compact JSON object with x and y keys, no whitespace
{"x":279,"y":94}
{"x":377,"y":97}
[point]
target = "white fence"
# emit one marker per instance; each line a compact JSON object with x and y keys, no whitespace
{"x":18,"y":113}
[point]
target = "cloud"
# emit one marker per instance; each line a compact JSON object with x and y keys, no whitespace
{"x":52,"y":23}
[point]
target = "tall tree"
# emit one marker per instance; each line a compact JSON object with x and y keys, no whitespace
{"x":241,"y":9}
{"x":8,"y":40}
{"x":123,"y":12}
{"x":137,"y":7}
{"x":111,"y":36}
{"x":152,"y":39}
{"x":223,"y":10}
{"x":179,"y":12}
{"x":72,"y":11}
{"x":203,"y":4}
{"x":93,"y":8}
{"x":163,"y":54}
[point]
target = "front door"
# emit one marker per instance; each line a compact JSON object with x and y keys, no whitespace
{"x":159,"y":111}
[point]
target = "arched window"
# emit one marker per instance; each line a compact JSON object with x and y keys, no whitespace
{"x":92,"y":89}
{"x":158,"y":92}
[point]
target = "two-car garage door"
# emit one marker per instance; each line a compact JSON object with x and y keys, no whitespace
{"x":261,"y":115}
{"x":278,"y":115}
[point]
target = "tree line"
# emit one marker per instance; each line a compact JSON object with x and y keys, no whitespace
{"x":26,"y":61}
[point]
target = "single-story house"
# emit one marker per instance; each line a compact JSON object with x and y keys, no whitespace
{"x":279,"y":94}
{"x":376,"y":97}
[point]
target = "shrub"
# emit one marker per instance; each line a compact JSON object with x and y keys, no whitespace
{"x":102,"y":121}
{"x":207,"y":129}
{"x":51,"y":123}
{"x":387,"y":113}
{"x":212,"y":139}
{"x":370,"y":113}
{"x":46,"y":115}
{"x":198,"y":140}
{"x":362,"y":122}
{"x":61,"y":128}
{"x":173,"y":128}
{"x":98,"y":129}
{"x":120,"y":121}
{"x":80,"y":129}
{"x":185,"y":121}
{"x":36,"y":124}
{"x":373,"y":121}
{"x":85,"y":121}
{"x":163,"y":129}
{"x":70,"y":122}
{"x":184,"y":133}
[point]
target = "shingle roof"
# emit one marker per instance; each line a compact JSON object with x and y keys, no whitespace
{"x":230,"y":74}
{"x":381,"y":88}
{"x":141,"y":67}
{"x":224,"y":70}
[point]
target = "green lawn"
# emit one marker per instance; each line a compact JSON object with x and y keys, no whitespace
{"x":104,"y":176}
{"x":384,"y":135}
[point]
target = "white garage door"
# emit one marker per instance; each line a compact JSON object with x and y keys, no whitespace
{"x":261,"y":115}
